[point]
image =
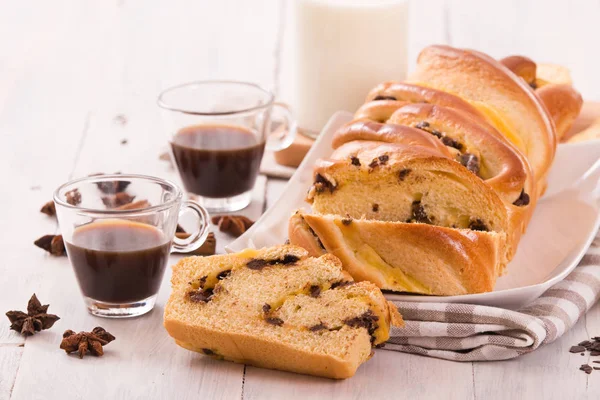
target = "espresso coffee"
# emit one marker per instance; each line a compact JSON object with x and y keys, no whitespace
{"x":118,"y":261}
{"x":217,"y":160}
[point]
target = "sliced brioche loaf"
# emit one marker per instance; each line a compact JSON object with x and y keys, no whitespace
{"x":277,"y":308}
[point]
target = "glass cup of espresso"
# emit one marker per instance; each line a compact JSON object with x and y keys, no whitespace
{"x":118,"y":232}
{"x":218,"y":131}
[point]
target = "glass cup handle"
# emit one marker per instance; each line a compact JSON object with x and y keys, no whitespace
{"x":284,"y":138}
{"x":197,"y":238}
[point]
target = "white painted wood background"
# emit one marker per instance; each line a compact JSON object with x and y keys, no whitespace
{"x":77,"y":76}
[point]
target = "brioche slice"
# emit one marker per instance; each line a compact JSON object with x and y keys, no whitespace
{"x":415,"y":258}
{"x":278,"y":308}
{"x":397,"y":182}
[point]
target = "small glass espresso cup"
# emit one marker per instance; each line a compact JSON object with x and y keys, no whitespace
{"x":119,"y":231}
{"x":218,"y":131}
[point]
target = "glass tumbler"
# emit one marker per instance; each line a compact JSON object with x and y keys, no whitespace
{"x":119,"y":231}
{"x":218,"y":131}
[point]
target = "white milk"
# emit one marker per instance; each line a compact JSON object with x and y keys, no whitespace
{"x":341,"y":50}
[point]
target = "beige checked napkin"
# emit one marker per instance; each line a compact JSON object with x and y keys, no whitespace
{"x":465,"y":332}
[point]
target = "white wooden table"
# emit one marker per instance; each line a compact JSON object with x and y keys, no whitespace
{"x":77,"y":77}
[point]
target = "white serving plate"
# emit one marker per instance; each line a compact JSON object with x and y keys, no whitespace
{"x":563,"y":226}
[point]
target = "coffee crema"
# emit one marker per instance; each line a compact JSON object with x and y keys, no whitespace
{"x":118,"y":261}
{"x":217,"y":161}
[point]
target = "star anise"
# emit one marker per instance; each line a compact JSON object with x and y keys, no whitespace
{"x":53,"y":244}
{"x":49,"y":209}
{"x":36,"y":319}
{"x":234,"y":225}
{"x":73,"y":197}
{"x":208,"y":248}
{"x":86,"y":342}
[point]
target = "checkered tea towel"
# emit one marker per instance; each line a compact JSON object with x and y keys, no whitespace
{"x":465,"y":332}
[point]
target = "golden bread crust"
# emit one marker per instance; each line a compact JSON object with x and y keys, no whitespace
{"x":554,"y":88}
{"x":390,"y":133}
{"x":445,"y":261}
{"x":563,"y":103}
{"x":510,"y":104}
{"x":411,"y":93}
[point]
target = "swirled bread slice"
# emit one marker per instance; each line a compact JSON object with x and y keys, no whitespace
{"x":404,"y":257}
{"x":278,"y":308}
{"x":407,"y":183}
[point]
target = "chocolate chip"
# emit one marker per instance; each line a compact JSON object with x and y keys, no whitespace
{"x":576,"y":349}
{"x":311,"y":230}
{"x":200,"y":296}
{"x":523,"y":199}
{"x":257,"y":264}
{"x":422,"y":125}
{"x":471,"y":161}
{"x":346,"y":221}
{"x":288,"y":259}
{"x":266,"y":308}
{"x":318,"y":327}
{"x":315,"y":290}
{"x":364,"y":320}
{"x":448,"y":141}
{"x":274,"y":321}
{"x":586,"y":368}
{"x":341,"y":284}
{"x":383,"y":159}
{"x":355,"y":161}
{"x":418,"y":213}
{"x":533,"y":85}
{"x":208,"y":352}
{"x":367,"y":320}
{"x":403,"y":174}
{"x":374,"y":163}
{"x":202,"y":280}
{"x":381,"y":97}
{"x":436,"y":133}
{"x":375,"y":207}
{"x":478,"y":225}
{"x":321,"y":184}
{"x":223,"y":274}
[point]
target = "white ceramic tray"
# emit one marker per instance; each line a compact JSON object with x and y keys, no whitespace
{"x":562,"y":228}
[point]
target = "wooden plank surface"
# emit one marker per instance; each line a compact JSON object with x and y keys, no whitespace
{"x":77,"y":77}
{"x":10,"y":358}
{"x":121,"y":58}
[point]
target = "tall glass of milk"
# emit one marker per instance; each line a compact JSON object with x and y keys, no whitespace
{"x":341,"y":50}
